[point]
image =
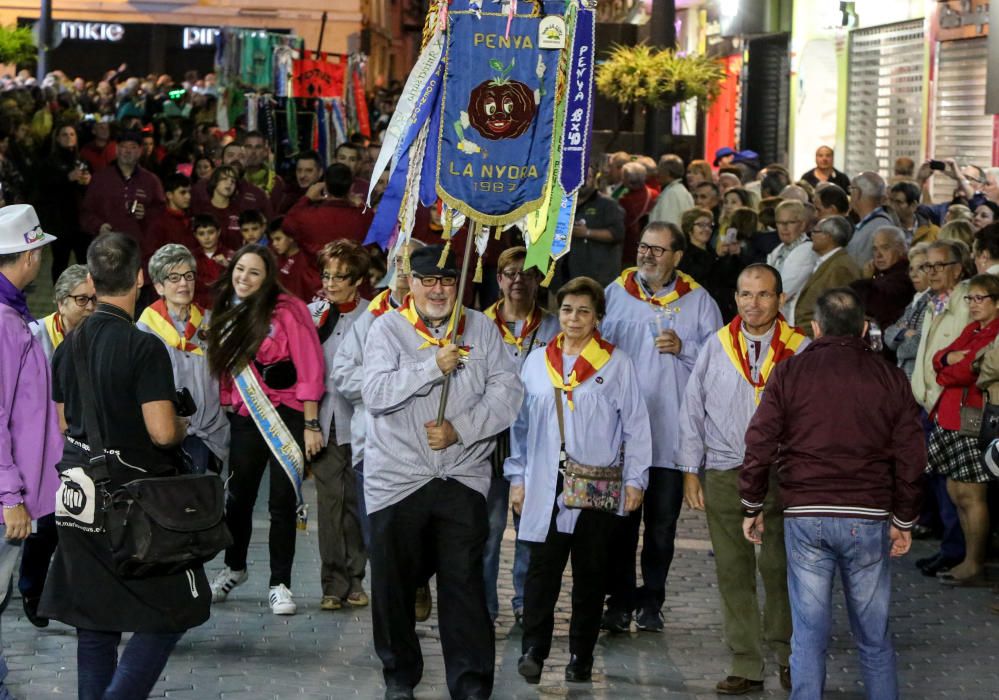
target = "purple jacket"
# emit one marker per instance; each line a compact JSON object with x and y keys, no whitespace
{"x":30,"y":441}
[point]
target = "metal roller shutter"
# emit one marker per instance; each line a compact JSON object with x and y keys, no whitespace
{"x":765,"y":100}
{"x":961,"y":129}
{"x":884,"y":96}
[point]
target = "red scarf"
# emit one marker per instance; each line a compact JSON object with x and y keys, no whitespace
{"x":684,"y":285}
{"x":533,"y":322}
{"x":593,"y":357}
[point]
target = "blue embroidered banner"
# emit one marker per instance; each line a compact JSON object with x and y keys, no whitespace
{"x":498,"y":114}
{"x":579,"y":111}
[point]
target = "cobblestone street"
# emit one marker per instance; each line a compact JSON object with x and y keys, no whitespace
{"x":947,"y":642}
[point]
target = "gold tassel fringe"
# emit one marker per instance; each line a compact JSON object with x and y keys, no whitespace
{"x":477,"y":279}
{"x":405,"y":260}
{"x":551,"y":274}
{"x":443,"y":260}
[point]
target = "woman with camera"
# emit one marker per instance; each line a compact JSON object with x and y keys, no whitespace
{"x":582,"y":406}
{"x":183,"y":325}
{"x":264,"y":348}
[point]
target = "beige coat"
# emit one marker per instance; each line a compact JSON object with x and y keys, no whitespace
{"x":838,"y":271}
{"x":938,"y":332}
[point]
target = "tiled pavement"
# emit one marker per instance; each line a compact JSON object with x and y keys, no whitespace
{"x":948,"y":642}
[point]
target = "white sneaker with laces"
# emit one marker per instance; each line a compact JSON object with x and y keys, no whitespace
{"x":225,"y":581}
{"x":281,"y":600}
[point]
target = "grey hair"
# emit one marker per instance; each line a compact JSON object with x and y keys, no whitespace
{"x":671,"y":166}
{"x":919,"y":249}
{"x":896,"y":234}
{"x":168,"y":257}
{"x":633,"y":174}
{"x":871,"y":185}
{"x":794,"y":193}
{"x":839,"y":229}
{"x":71,"y":278}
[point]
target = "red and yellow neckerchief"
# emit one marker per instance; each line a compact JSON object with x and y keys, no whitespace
{"x":381,"y":303}
{"x":408,"y":312}
{"x":53,"y":326}
{"x":158,"y":319}
{"x":595,"y":355}
{"x":533,"y":322}
{"x":785,"y":342}
{"x":684,"y":285}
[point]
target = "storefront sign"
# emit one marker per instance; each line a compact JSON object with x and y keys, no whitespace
{"x":199,"y":36}
{"x":90,"y":31}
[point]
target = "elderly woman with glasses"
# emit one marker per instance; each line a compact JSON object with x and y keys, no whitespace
{"x":952,"y":453}
{"x":182,"y":325}
{"x":716,"y":271}
{"x":342,"y":556}
{"x":74,"y":299}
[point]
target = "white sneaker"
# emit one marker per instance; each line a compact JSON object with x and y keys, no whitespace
{"x":281,"y":601}
{"x":224,"y":582}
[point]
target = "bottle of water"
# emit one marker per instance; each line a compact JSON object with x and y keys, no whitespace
{"x":874,"y":339}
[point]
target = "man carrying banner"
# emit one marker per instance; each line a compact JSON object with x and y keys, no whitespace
{"x":524,"y":326}
{"x":661,"y":318}
{"x":721,"y":397}
{"x":426,"y":481}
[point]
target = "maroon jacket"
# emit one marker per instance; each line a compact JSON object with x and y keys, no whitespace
{"x":172,"y":226}
{"x":109,"y":200}
{"x":298,"y":276}
{"x":314,"y":224}
{"x":886,"y":295}
{"x":840,"y":425}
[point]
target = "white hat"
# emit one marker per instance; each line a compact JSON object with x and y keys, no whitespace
{"x":20,"y":229}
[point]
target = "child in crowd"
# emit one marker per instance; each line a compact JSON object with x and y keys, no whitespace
{"x":253,"y":226}
{"x":298,"y":274}
{"x":173,"y":223}
{"x":212,"y":258}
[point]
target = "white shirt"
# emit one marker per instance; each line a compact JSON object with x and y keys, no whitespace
{"x":822,"y":258}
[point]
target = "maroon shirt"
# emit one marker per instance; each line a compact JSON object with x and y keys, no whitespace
{"x":298,"y":276}
{"x":247,"y":196}
{"x":172,"y":226}
{"x":314,"y":224}
{"x":227,"y":220}
{"x":886,"y":295}
{"x":99,"y":158}
{"x":207,"y":274}
{"x":110,"y":197}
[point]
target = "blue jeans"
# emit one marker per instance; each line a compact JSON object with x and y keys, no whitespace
{"x":816,"y":548}
{"x":101,"y":675}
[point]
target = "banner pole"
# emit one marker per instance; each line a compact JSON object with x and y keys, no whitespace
{"x":471,"y":233}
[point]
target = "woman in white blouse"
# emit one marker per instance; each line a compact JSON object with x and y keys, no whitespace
{"x":605,"y":424}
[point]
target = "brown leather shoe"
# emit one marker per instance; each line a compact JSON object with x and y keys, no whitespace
{"x":737,"y":685}
{"x":785,"y":677}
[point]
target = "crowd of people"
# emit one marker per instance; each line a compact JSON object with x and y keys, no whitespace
{"x":700,"y":310}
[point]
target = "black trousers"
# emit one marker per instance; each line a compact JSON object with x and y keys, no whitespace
{"x":249,"y":456}
{"x":661,"y":509}
{"x":443,"y":522}
{"x":589,"y":547}
{"x":36,"y":553}
{"x":67,"y":243}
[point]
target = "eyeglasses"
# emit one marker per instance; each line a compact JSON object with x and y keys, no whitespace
{"x":749,"y":296}
{"x":927,"y":268}
{"x":792,"y":222}
{"x":817,"y":230}
{"x":522,"y":274}
{"x":657,"y":250}
{"x":432,"y":281}
{"x":978,"y":298}
{"x":175,"y":277}
{"x":82,"y":300}
{"x":326,"y":277}
{"x":702,"y":224}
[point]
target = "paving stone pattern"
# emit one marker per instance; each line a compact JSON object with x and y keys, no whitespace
{"x":948,"y":642}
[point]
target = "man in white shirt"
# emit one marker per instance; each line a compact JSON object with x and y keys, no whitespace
{"x":674,"y":198}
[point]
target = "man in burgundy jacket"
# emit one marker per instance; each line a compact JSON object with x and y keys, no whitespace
{"x":247,"y":195}
{"x":123,"y":197}
{"x":886,"y":288}
{"x":325,"y":214}
{"x":842,"y":428}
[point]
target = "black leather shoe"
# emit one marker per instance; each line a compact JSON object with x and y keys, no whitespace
{"x":530,"y":666}
{"x":31,"y":612}
{"x":649,"y":619}
{"x":396,"y":692}
{"x":939,"y":565}
{"x":579,"y":670}
{"x":616,"y":621}
{"x":785,"y":677}
{"x":737,"y":685}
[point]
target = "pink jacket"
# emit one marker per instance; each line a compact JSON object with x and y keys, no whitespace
{"x":293,"y":335}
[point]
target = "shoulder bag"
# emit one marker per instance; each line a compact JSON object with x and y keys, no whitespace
{"x":971,"y":418}
{"x":155,"y":526}
{"x":583,"y":486}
